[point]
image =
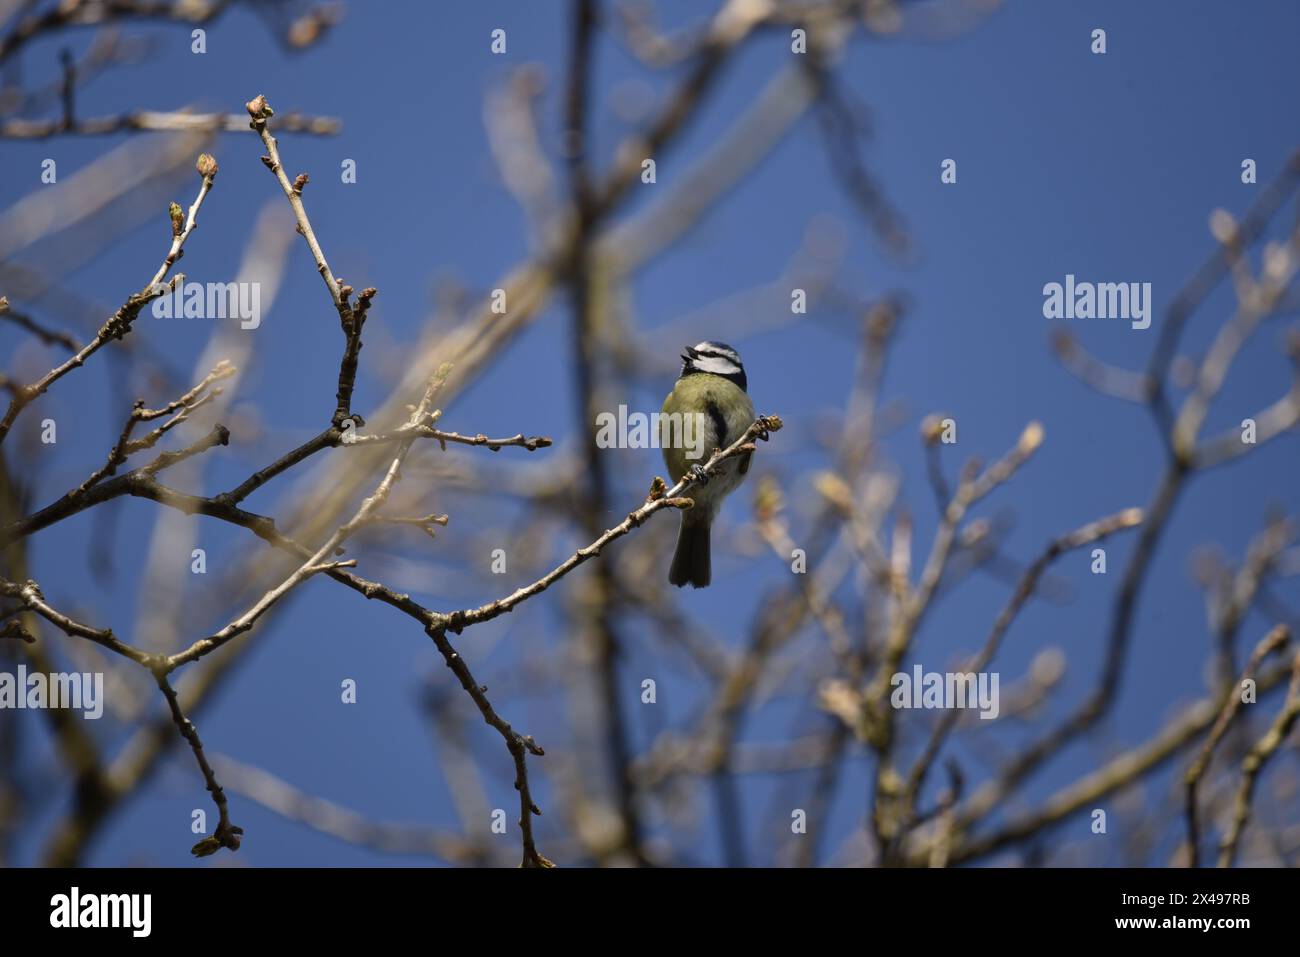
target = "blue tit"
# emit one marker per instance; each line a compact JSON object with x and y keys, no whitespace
{"x":707,"y":409}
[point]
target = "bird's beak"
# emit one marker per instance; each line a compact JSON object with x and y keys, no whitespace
{"x":690,"y":354}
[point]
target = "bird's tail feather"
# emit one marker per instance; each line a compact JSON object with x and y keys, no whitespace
{"x":691,"y":559}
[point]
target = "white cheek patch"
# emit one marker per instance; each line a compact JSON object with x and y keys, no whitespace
{"x":718,"y":365}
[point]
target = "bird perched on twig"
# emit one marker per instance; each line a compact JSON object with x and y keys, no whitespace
{"x":711,"y":391}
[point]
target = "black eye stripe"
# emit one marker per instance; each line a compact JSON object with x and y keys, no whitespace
{"x":716,"y":358}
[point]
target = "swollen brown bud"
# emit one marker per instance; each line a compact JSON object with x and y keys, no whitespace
{"x":835,"y":491}
{"x":178,"y":218}
{"x":206,"y":165}
{"x":1031,"y":438}
{"x":258,"y":108}
{"x":932,"y":428}
{"x":768,"y":500}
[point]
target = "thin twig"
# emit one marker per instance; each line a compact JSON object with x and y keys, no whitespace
{"x":118,"y":324}
{"x":1275,"y":639}
{"x":226,"y":835}
{"x":1258,"y":756}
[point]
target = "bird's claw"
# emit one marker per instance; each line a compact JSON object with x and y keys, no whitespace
{"x":700,"y":474}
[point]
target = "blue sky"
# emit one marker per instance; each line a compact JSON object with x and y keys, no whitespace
{"x":1106,"y":167}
